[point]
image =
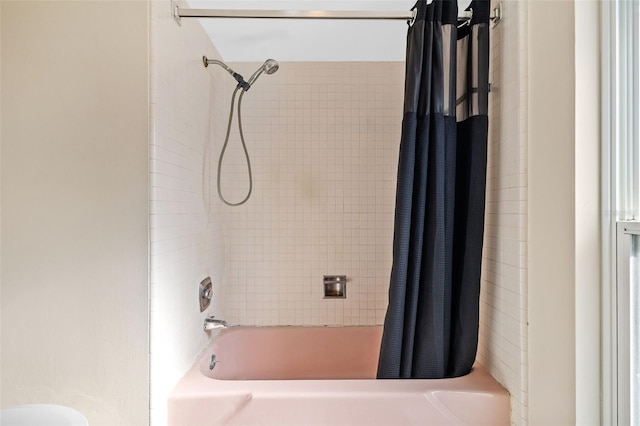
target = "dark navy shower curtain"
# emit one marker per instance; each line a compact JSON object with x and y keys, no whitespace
{"x":431,"y":325}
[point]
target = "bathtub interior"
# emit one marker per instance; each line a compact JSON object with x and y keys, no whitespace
{"x":295,"y":353}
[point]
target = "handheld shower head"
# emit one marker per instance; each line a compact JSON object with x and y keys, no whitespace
{"x":270,"y":66}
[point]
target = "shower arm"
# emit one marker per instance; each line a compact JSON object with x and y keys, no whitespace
{"x":241,"y":82}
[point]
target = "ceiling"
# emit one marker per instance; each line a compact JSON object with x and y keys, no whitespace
{"x":249,"y":40}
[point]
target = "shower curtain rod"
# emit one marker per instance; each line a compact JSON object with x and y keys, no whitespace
{"x":181,"y":12}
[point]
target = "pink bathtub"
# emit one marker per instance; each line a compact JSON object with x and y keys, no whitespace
{"x":322,"y":376}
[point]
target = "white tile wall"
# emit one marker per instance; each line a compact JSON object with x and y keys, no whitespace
{"x":186,"y":241}
{"x":503,"y":323}
{"x":323,"y":140}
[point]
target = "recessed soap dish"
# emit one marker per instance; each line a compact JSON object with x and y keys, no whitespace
{"x":335,"y":286}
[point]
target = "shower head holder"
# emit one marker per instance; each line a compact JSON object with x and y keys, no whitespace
{"x":242,"y":84}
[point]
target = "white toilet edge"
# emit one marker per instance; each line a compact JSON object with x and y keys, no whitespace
{"x":36,"y":414}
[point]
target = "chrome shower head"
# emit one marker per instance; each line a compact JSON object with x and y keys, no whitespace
{"x":270,"y":66}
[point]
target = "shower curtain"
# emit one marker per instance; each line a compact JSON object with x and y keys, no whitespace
{"x":431,"y":325}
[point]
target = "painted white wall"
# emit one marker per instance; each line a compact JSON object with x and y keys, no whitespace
{"x":75,"y":207}
{"x":296,"y":40}
{"x":291,"y":40}
{"x":551,"y":213}
{"x":587,"y":211}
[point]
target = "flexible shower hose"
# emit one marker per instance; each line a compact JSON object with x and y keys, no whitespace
{"x":244,"y":147}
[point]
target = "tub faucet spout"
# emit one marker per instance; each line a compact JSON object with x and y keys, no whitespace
{"x":211,"y":323}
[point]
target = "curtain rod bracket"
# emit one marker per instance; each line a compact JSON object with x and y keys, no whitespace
{"x":496,"y":16}
{"x":175,"y":12}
